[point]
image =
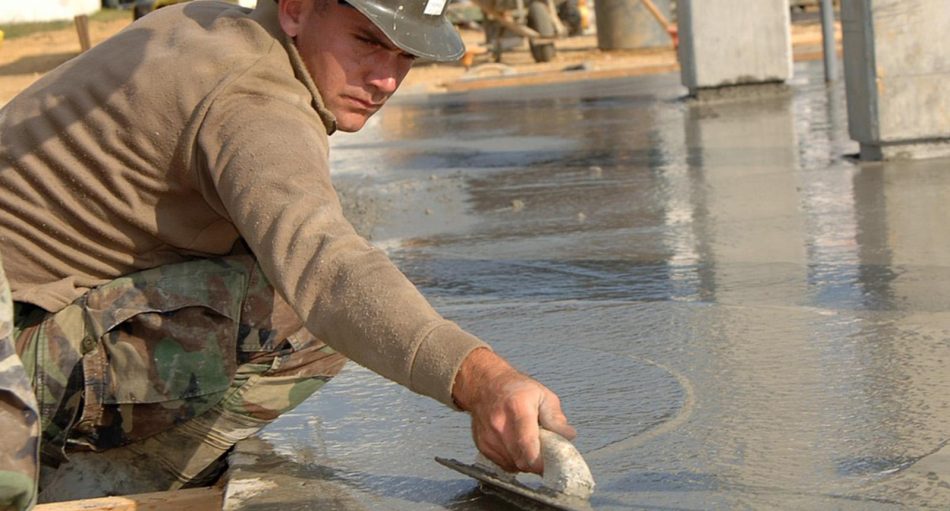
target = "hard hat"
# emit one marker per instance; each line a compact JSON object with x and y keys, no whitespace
{"x":419,"y":27}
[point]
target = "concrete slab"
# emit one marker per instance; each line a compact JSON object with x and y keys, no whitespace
{"x":735,"y":313}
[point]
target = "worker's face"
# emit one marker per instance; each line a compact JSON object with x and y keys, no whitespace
{"x":355,"y":66}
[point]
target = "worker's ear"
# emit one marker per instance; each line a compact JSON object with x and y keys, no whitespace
{"x":291,"y":15}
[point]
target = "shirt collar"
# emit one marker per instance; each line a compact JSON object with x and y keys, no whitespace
{"x":266,"y":14}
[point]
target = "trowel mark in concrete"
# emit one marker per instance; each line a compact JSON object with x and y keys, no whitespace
{"x":681,"y":417}
{"x":804,"y":298}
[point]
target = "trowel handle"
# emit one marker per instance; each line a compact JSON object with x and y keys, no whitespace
{"x":565,"y":470}
{"x":555,"y":448}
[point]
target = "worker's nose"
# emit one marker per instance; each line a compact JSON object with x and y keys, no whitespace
{"x":387,"y":71}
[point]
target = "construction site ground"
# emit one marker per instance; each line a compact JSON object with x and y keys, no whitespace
{"x":26,"y":58}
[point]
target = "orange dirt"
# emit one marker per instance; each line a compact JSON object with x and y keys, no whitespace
{"x":23,"y":60}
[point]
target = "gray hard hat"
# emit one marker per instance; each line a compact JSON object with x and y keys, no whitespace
{"x":419,"y":27}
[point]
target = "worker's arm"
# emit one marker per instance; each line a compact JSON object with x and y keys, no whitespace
{"x":507,"y":407}
{"x":263,"y":161}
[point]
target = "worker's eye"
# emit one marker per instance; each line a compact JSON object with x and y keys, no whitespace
{"x":370,"y":42}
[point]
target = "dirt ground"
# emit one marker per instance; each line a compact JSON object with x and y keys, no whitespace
{"x":23,"y":60}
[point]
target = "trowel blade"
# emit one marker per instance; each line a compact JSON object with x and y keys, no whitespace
{"x":512,"y":491}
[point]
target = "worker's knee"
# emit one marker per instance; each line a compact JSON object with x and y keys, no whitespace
{"x":272,"y":383}
{"x":281,"y":363}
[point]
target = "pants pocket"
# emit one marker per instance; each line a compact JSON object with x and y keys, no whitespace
{"x":163,"y":349}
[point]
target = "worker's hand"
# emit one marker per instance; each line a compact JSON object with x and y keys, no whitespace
{"x":507,"y":408}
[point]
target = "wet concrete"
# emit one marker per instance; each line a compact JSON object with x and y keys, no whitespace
{"x":735,"y":314}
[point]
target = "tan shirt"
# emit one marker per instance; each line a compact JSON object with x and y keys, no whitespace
{"x":193,"y":127}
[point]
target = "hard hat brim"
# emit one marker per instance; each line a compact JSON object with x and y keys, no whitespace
{"x":428,"y":37}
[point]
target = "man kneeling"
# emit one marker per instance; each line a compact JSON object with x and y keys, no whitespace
{"x":180,"y":266}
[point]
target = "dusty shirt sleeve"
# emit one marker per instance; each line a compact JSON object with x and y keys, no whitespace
{"x":265,"y":164}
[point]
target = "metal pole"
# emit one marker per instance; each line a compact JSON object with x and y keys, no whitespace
{"x":828,"y":40}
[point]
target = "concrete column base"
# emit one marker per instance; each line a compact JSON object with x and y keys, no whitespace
{"x":896,"y":72}
{"x":729,"y":42}
{"x":742,"y":91}
{"x":906,"y":151}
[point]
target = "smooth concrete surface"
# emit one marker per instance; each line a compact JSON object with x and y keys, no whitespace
{"x":629,"y":25}
{"x":896,"y":68}
{"x":735,"y":313}
{"x":734,"y":42}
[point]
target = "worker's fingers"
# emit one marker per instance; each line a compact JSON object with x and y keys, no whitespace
{"x":490,"y":444}
{"x":523,"y":438}
{"x":552,"y":417}
{"x":507,"y":413}
{"x":499,"y":458}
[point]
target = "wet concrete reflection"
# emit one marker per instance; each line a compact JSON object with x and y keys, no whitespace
{"x":735,"y":314}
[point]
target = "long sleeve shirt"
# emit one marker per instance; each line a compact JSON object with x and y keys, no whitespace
{"x":192,"y":128}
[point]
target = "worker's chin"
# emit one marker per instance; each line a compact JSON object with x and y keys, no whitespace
{"x":352,"y":121}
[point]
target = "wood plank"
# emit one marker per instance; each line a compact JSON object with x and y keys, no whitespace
{"x":192,"y":499}
{"x":82,"y":30}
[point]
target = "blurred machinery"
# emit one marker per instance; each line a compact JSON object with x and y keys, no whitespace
{"x":508,"y":22}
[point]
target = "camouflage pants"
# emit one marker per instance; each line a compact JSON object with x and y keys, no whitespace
{"x":178,"y":363}
{"x":19,"y":443}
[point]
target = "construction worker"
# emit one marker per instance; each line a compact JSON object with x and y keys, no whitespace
{"x":181,"y":271}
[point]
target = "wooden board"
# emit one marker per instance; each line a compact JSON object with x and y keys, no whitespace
{"x":192,"y":499}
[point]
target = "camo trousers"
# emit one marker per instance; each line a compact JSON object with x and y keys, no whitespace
{"x":178,"y":363}
{"x":19,"y":419}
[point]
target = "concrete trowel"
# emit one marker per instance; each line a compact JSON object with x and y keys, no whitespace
{"x":566,"y":485}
